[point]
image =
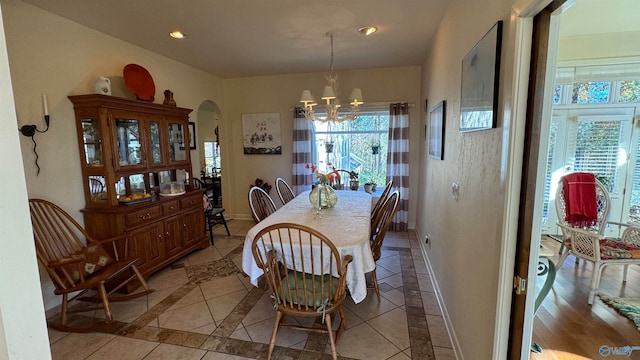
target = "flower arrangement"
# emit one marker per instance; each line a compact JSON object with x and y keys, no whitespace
{"x":262,"y":184}
{"x":323,"y":178}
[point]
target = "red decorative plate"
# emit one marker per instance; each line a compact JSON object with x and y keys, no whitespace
{"x":139,"y":81}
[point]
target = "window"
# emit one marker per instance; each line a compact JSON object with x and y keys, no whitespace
{"x":359,"y":145}
{"x":211,"y":157}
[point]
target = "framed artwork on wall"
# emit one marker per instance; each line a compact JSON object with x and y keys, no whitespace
{"x":436,"y":130}
{"x":480,"y":79}
{"x":261,"y":134}
{"x":192,"y":135}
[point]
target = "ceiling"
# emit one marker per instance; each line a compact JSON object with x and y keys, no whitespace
{"x":257,"y":37}
{"x":232,"y":38}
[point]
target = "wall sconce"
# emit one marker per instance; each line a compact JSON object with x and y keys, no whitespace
{"x":30,"y":130}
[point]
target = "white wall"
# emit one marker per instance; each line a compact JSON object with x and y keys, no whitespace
{"x":60,"y":58}
{"x":280,"y":94}
{"x":23,"y":333}
{"x":464,"y":251}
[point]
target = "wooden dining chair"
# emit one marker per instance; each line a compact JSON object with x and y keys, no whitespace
{"x":383,"y":198}
{"x":284,"y":191}
{"x":261,"y":204}
{"x":379,"y":229}
{"x":305,"y":276}
{"x":78,"y":263}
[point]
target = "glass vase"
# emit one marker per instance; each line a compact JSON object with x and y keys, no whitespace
{"x":323,"y":197}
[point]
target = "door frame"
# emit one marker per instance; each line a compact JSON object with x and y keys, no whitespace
{"x":533,"y":20}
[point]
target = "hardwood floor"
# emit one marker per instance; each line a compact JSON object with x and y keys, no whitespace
{"x":566,"y":327}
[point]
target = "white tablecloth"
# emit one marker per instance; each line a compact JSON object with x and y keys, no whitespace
{"x":347,"y":225}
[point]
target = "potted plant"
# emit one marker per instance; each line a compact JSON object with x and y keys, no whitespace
{"x":375,"y":148}
{"x":328,"y":147}
{"x":368,"y":187}
{"x":354,"y":183}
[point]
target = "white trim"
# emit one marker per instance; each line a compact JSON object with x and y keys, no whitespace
{"x":522,"y":15}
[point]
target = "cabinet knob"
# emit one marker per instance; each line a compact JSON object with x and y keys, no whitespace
{"x":145,"y":216}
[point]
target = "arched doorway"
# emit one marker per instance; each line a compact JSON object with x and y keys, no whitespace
{"x":209,"y":149}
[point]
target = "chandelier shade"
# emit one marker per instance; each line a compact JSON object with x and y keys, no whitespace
{"x":331,"y":101}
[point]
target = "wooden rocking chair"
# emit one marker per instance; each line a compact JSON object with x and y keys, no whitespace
{"x":78,"y":267}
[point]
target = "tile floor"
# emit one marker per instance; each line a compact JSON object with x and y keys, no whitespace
{"x":205,"y":308}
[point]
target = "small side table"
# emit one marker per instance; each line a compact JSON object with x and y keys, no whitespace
{"x":544,"y":268}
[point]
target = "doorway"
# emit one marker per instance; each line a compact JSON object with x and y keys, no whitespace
{"x":209,"y":149}
{"x":546,"y":158}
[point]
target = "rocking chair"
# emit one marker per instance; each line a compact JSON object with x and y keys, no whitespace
{"x":76,"y":267}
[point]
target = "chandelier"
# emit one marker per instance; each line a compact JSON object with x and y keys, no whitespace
{"x":332,"y":102}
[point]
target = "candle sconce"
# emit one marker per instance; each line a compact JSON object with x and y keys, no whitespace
{"x":30,"y":131}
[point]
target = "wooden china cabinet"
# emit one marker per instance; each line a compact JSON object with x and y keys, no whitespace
{"x":129,"y":151}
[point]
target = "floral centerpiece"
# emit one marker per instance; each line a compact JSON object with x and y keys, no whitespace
{"x":261,"y":184}
{"x":322,"y":196}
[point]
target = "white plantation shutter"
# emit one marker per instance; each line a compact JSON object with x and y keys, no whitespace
{"x":589,"y":143}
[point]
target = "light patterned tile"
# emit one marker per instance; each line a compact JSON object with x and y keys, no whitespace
{"x":55,"y":335}
{"x":222,"y":306}
{"x":395,"y":296}
{"x":393,"y":326}
{"x":123,"y":348}
{"x":370,"y":307}
{"x":168,"y":351}
{"x":363,"y":342}
{"x":211,"y":355}
{"x":79,"y":346}
{"x":442,"y":353}
{"x":187,"y":317}
{"x":438,"y":331}
{"x":221,"y":286}
{"x":205,"y":255}
{"x":260,"y":332}
{"x":261,"y":311}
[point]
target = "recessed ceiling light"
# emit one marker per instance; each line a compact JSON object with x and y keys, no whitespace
{"x":177,"y":35}
{"x":368,"y":30}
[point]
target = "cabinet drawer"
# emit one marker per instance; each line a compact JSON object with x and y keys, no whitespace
{"x":191,"y":202}
{"x":171,"y":207}
{"x":144,"y":216}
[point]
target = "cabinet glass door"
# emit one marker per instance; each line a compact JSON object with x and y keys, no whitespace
{"x":156,"y":149}
{"x":128,"y":152}
{"x":92,"y":142}
{"x":177,"y":150}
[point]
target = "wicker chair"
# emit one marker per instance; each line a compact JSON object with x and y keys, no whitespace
{"x":284,"y":191}
{"x":76,"y":267}
{"x":590,"y":243}
{"x":261,"y":204}
{"x":379,"y":229}
{"x":305,"y":275}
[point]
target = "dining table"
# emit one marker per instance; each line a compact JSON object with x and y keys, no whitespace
{"x":347,"y":225}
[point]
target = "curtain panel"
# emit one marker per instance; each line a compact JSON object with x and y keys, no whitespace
{"x":398,"y":161}
{"x":301,"y":177}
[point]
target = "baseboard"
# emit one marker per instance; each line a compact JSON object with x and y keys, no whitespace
{"x":455,"y":344}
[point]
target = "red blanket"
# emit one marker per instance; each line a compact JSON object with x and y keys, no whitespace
{"x":580,"y":199}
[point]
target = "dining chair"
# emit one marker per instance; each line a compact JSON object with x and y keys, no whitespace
{"x":380,"y":202}
{"x":588,"y":242}
{"x":284,"y":191}
{"x":261,"y":204}
{"x":379,"y":229}
{"x":77,"y":263}
{"x":305,"y":276}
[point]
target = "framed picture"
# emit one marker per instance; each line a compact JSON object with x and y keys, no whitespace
{"x":480,"y":78}
{"x":436,"y":130}
{"x":192,"y":135}
{"x":261,"y":133}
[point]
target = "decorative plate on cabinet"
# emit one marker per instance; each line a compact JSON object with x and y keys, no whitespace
{"x":139,"y":81}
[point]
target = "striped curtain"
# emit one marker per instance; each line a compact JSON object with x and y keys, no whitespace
{"x":301,"y":177}
{"x":398,"y":161}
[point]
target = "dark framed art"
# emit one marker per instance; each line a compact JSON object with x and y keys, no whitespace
{"x":436,"y":130}
{"x":192,"y":135}
{"x":480,"y":79}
